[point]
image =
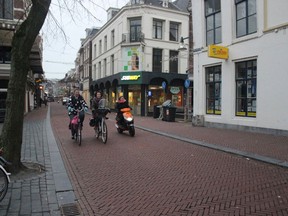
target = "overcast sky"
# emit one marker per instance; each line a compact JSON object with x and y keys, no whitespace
{"x":64,"y":28}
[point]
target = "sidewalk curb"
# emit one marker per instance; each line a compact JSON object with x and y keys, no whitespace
{"x":248,"y":155}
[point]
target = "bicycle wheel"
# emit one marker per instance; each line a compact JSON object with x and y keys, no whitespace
{"x":3,"y":184}
{"x":79,"y":139}
{"x":104,"y":134}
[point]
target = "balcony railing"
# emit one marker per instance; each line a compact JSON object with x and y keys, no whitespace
{"x":133,"y":37}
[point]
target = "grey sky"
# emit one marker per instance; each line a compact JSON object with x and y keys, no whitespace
{"x":59,"y":52}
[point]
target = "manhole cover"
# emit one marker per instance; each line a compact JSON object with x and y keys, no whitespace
{"x":70,"y":209}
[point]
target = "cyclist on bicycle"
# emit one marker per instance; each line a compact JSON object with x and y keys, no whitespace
{"x":76,"y":104}
{"x":95,"y":105}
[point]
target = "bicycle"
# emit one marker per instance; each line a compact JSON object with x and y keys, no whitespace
{"x":4,"y":178}
{"x":76,"y":128}
{"x":101,"y":129}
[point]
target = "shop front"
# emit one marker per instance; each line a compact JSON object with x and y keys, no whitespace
{"x":143,"y":90}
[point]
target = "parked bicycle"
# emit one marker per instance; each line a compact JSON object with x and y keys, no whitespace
{"x":76,"y":128}
{"x":4,"y":177}
{"x":101,"y":127}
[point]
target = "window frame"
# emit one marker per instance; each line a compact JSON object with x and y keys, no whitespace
{"x":7,"y":11}
{"x":135,"y":29}
{"x":176,"y":29}
{"x":213,"y":98}
{"x":173,"y":61}
{"x":214,"y":29}
{"x":156,"y":27}
{"x":157,"y":59}
{"x":245,"y":79}
{"x":245,"y":18}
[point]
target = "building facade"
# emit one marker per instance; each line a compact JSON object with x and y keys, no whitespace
{"x":12,"y":13}
{"x":135,"y":54}
{"x":240,"y":64}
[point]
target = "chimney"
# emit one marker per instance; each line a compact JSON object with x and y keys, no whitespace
{"x":111,"y":12}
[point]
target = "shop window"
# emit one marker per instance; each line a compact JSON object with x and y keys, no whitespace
{"x":6,"y":9}
{"x":246,"y":88}
{"x":174,"y":32}
{"x":213,"y":21}
{"x":173,"y":61}
{"x":157,"y":29}
{"x":157,"y":60}
{"x":213,"y":90}
{"x":246,"y":17}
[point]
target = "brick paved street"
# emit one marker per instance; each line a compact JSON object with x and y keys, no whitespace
{"x":151,"y":174}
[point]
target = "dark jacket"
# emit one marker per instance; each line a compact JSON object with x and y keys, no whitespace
{"x":76,"y":104}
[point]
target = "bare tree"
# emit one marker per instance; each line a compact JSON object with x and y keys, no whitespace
{"x":22,"y":42}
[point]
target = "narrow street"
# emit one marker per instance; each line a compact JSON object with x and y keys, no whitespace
{"x":151,"y":175}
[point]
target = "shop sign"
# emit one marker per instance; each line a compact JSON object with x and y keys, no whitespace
{"x":174,"y":90}
{"x":130,"y":78}
{"x":220,"y":52}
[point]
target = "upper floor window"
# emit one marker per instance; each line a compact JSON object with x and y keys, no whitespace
{"x":112,"y":64}
{"x":173,"y":61}
{"x":135,"y":2}
{"x":246,"y":17}
{"x":174,"y":31}
{"x":246,"y":88}
{"x":157,"y":60}
{"x":135,"y":30}
{"x":6,"y":9}
{"x":157,"y":29}
{"x":213,"y":21}
{"x":100,"y":47}
{"x":95,"y":50}
{"x":5,"y":55}
{"x":112,"y":38}
{"x":105,"y":43}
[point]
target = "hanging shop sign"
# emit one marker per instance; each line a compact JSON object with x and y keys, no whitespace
{"x":174,"y":90}
{"x":220,"y":52}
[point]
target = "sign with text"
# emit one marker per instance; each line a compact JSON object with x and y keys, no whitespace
{"x":130,"y":78}
{"x":220,"y":52}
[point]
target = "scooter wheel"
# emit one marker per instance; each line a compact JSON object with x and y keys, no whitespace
{"x":119,"y":130}
{"x":132,"y":131}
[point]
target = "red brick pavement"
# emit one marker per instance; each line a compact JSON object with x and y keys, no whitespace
{"x":153,"y":175}
{"x":274,"y":146}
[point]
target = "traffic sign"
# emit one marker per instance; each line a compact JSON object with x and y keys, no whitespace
{"x":187,"y":83}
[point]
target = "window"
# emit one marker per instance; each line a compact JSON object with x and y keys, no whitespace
{"x":135,"y":2}
{"x":157,"y":60}
{"x":112,"y":38}
{"x":5,"y":55}
{"x":174,"y":31}
{"x":173,"y":61}
{"x":95,"y":51}
{"x":99,"y":70}
{"x":213,"y":90}
{"x":213,"y":22}
{"x":246,"y":17}
{"x":6,"y":9}
{"x":157,"y":29}
{"x":112,"y":64}
{"x":105,"y":43}
{"x":105,"y":68}
{"x":100,"y":47}
{"x":94,"y":72}
{"x":135,"y":30}
{"x":246,"y":88}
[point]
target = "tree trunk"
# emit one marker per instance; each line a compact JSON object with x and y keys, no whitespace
{"x":22,"y":42}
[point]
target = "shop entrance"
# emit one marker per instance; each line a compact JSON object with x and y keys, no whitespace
{"x":134,"y":98}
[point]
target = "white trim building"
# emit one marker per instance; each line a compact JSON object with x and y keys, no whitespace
{"x":247,"y":90}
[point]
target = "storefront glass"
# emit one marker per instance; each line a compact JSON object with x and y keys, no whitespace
{"x":134,"y":94}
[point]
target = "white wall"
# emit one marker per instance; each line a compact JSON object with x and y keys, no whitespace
{"x":270,"y":50}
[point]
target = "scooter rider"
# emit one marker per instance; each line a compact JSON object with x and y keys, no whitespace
{"x":120,"y":104}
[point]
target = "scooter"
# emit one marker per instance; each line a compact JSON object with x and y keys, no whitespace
{"x":127,"y":124}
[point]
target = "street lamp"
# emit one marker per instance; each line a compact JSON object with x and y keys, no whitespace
{"x":187,"y":107}
{"x":182,"y":46}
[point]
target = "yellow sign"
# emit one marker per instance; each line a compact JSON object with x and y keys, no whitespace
{"x":130,"y":77}
{"x":218,"y":52}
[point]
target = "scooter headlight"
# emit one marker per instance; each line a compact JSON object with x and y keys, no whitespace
{"x":129,"y":119}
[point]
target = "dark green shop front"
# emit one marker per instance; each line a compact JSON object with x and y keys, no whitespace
{"x":143,"y":90}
